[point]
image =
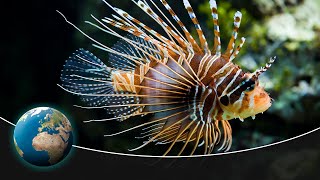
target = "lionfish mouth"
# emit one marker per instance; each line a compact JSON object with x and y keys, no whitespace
{"x":170,"y":77}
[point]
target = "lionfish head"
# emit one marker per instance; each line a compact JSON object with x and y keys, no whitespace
{"x":248,"y":98}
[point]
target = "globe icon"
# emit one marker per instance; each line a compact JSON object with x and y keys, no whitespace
{"x":43,"y":136}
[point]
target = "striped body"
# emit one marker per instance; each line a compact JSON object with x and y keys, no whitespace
{"x":189,"y":91}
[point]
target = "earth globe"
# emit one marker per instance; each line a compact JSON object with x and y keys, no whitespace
{"x":43,"y":136}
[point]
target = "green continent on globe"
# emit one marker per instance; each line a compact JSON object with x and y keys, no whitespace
{"x":43,"y":136}
{"x":55,"y":121}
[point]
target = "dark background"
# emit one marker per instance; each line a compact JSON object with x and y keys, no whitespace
{"x":36,"y":41}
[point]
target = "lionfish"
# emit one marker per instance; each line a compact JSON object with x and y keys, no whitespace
{"x":182,"y":90}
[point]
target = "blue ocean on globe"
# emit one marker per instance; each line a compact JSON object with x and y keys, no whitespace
{"x":43,"y":136}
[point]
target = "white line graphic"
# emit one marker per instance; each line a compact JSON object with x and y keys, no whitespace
{"x":193,"y":156}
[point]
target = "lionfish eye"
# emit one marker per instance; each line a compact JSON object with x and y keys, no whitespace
{"x":224,"y":100}
{"x":248,"y":85}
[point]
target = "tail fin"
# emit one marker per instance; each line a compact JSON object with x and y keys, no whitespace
{"x":87,"y":76}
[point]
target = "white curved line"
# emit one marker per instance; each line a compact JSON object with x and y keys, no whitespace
{"x":194,"y":156}
{"x":7,"y":121}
